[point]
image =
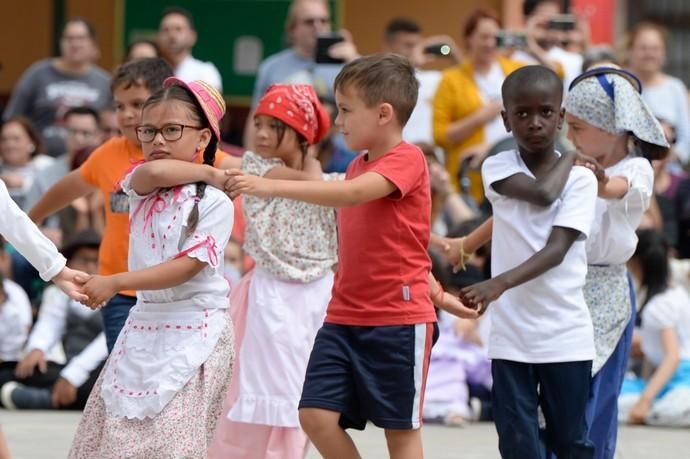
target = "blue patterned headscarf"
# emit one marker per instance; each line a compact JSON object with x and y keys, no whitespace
{"x":611,"y":102}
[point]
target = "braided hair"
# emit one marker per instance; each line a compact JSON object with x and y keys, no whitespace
{"x":183,"y":95}
{"x":652,"y":255}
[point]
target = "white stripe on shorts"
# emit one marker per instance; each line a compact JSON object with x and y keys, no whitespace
{"x":420,"y":331}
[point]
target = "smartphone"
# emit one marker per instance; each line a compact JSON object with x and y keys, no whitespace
{"x":440,"y":49}
{"x":564,"y":22}
{"x":516,"y":40}
{"x":323,"y":43}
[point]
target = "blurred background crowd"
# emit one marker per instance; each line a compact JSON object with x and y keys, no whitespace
{"x":55,"y":97}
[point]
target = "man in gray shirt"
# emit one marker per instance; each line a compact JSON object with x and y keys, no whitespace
{"x":51,"y":86}
{"x":306,"y":20}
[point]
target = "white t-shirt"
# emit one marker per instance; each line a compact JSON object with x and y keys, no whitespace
{"x":15,"y":321}
{"x":613,"y":239}
{"x":546,"y":319}
{"x":419,"y":126}
{"x":670,"y":309}
{"x":490,"y":89}
{"x":192,"y":69}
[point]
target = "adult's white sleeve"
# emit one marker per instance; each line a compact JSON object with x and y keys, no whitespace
{"x":80,"y":367}
{"x":25,"y":236}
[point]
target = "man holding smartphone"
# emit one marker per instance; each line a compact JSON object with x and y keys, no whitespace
{"x":306,"y":21}
{"x":547,"y":27}
{"x":403,"y":36}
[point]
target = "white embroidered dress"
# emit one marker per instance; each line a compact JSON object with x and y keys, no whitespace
{"x":169,"y":333}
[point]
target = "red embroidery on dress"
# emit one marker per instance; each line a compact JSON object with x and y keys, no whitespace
{"x":211,"y":249}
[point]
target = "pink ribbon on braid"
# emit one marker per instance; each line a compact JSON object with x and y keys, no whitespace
{"x":211,"y":250}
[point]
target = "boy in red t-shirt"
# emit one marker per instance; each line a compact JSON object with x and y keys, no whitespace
{"x":370,"y":358}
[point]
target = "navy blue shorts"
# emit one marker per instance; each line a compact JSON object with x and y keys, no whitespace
{"x":375,"y":374}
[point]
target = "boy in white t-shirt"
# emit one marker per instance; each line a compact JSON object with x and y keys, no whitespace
{"x":541,"y":342}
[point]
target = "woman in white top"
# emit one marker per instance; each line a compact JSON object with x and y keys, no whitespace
{"x":661,"y":396}
{"x":161,"y":391}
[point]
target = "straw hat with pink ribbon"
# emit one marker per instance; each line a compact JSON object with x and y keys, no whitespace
{"x":211,"y":101}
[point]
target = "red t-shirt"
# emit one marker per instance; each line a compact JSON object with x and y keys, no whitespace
{"x":383,"y":270}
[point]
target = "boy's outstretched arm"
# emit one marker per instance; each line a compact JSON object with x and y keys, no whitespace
{"x":557,"y":246}
{"x":347,"y":193}
{"x":311,"y":171}
{"x":60,"y":195}
{"x":542,"y":191}
{"x":169,"y":274}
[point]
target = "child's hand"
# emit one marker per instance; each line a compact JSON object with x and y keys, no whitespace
{"x":481,"y":294}
{"x":638,"y":413}
{"x":70,"y":281}
{"x":453,"y":305}
{"x":592,"y":164}
{"x":63,"y":394}
{"x":218,"y":179}
{"x":240,"y":183}
{"x":100,"y":289}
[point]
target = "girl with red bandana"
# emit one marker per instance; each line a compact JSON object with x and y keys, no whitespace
{"x":279,"y":306}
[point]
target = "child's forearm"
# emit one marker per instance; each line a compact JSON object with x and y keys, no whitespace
{"x":479,"y":237}
{"x":347,"y":193}
{"x":311,"y":171}
{"x":165,"y":275}
{"x":553,"y":253}
{"x":615,"y":188}
{"x":542,"y":191}
{"x":666,"y":369}
{"x":166,"y":173}
{"x":659,"y":379}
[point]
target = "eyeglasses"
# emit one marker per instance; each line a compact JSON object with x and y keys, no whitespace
{"x":170,"y":132}
{"x":313,"y":21}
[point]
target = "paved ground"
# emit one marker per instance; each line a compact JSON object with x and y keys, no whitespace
{"x":47,"y":435}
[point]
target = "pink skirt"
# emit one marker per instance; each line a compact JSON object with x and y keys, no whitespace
{"x":184,"y":428}
{"x":259,"y":440}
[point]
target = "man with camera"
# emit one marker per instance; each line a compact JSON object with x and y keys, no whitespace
{"x":403,"y":36}
{"x":315,"y":56}
{"x":548,"y":33}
